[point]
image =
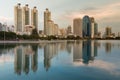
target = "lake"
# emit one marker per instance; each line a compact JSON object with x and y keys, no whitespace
{"x":67,"y":60}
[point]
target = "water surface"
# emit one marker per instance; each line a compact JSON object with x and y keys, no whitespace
{"x":68,"y":60}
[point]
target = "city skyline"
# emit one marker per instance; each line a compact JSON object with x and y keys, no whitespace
{"x":106,"y":12}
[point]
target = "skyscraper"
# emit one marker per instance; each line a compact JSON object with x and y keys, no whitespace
{"x":92,"y":27}
{"x":95,"y":28}
{"x":18,"y":19}
{"x":26,"y":17}
{"x":77,"y":27}
{"x":108,"y":31}
{"x":50,"y":29}
{"x":47,"y":17}
{"x":56,"y":29}
{"x":86,"y":26}
{"x":34,"y":17}
{"x":69,"y":30}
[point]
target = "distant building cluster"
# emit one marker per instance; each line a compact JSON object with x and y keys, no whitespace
{"x":23,"y":25}
{"x":5,"y":27}
{"x":108,"y":33}
{"x":86,"y":27}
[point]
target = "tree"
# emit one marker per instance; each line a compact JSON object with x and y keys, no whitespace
{"x":34,"y":32}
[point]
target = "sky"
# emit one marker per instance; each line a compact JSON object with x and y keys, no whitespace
{"x":105,"y":12}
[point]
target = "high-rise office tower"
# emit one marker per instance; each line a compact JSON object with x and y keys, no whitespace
{"x":95,"y":28}
{"x":69,"y":30}
{"x":77,"y":27}
{"x":56,"y":30}
{"x":18,"y":19}
{"x":34,"y":17}
{"x":47,"y":17}
{"x":108,"y":31}
{"x":86,"y":26}
{"x":26,"y":17}
{"x":92,"y":27}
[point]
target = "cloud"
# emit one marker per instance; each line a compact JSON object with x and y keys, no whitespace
{"x":98,"y":64}
{"x":6,"y":20}
{"x":110,"y":67}
{"x":103,"y":12}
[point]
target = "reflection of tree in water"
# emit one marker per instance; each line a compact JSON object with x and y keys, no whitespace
{"x":4,"y":47}
{"x":7,"y":46}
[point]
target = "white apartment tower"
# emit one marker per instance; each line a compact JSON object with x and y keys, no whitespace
{"x":34,"y":18}
{"x":47,"y":18}
{"x":18,"y":19}
{"x":50,"y":29}
{"x":26,"y":17}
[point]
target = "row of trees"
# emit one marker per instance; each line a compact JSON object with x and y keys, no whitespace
{"x":35,"y":36}
{"x":13,"y":36}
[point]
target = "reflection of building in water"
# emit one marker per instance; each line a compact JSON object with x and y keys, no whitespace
{"x":34,"y":59}
{"x":26,"y":63}
{"x":89,"y":51}
{"x":77,"y":50}
{"x":108,"y":47}
{"x":50,"y":50}
{"x":95,"y":48}
{"x":69,"y":46}
{"x":85,"y":51}
{"x":18,"y":60}
{"x":26,"y":58}
{"x":22,"y":59}
{"x":62,"y":46}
